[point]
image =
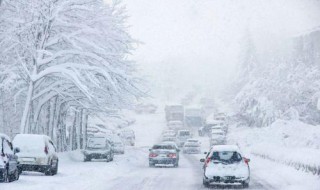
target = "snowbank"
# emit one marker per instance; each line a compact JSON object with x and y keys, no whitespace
{"x":289,"y":142}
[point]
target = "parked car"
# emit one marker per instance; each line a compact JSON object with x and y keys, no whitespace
{"x":191,"y":148}
{"x":164,"y":154}
{"x":98,"y":147}
{"x":37,"y":153}
{"x":9,"y":165}
{"x":128,"y":137}
{"x":225,"y":165}
{"x":119,"y":146}
{"x":175,"y":125}
{"x":182,"y":137}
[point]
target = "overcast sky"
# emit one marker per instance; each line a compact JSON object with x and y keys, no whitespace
{"x":188,"y":42}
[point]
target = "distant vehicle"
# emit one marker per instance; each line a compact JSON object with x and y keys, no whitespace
{"x":169,"y":133}
{"x":207,"y":128}
{"x":220,"y":117}
{"x":164,"y":154}
{"x":9,"y":165}
{"x":191,"y":148}
{"x":175,"y":125}
{"x":118,"y":146}
{"x":169,"y":138}
{"x":128,"y":137}
{"x":146,"y":108}
{"x":183,"y":136}
{"x":174,"y":113}
{"x":225,"y":165}
{"x":37,"y":153}
{"x":217,"y":138}
{"x":193,"y":117}
{"x":98,"y":147}
{"x":194,"y":141}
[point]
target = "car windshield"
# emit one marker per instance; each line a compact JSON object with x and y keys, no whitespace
{"x":155,"y":147}
{"x":226,"y":156}
{"x":97,"y":142}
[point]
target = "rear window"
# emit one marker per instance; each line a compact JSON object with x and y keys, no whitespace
{"x":184,"y":133}
{"x":162,"y":147}
{"x":29,"y":144}
{"x":226,"y":156}
{"x":97,"y":142}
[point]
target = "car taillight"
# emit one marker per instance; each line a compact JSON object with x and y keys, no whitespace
{"x":172,"y":155}
{"x":152,"y":155}
{"x":207,"y":162}
{"x":246,"y":160}
{"x":46,"y":150}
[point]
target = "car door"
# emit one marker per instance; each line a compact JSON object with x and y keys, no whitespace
{"x":12,"y":158}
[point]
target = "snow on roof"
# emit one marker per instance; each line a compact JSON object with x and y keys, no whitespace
{"x":225,"y":148}
{"x":175,"y":122}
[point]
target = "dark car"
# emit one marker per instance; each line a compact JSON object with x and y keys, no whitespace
{"x":164,"y":154}
{"x":9,"y":165}
{"x":98,"y":147}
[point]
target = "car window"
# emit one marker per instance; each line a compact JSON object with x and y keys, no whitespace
{"x":7,"y":148}
{"x":163,"y":147}
{"x":184,"y":133}
{"x":52,"y":148}
{"x":226,"y":156}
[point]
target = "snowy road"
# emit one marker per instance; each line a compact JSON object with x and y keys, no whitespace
{"x":131,"y":171}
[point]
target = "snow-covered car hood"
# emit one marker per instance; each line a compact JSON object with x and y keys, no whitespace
{"x":239,"y":169}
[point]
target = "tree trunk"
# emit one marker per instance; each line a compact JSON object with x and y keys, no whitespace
{"x":26,"y":110}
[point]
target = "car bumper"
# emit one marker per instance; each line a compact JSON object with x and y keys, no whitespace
{"x":227,"y":180}
{"x":97,"y":155}
{"x":35,"y":168}
{"x":167,"y":161}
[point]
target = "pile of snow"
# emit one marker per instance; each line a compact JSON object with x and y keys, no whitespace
{"x":290,"y":142}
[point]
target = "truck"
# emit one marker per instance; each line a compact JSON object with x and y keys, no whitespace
{"x":174,"y":113}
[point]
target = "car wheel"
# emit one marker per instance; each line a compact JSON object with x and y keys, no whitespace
{"x":151,"y":165}
{"x":176,"y":164}
{"x":87,"y":159}
{"x":111,"y":157}
{"x":205,"y":184}
{"x":5,"y":176}
{"x":49,"y":171}
{"x":55,"y":170}
{"x":245,"y":185}
{"x":14,"y":176}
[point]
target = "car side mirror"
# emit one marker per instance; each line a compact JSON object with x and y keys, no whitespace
{"x":202,"y":160}
{"x":178,"y":150}
{"x":16,"y":150}
{"x":205,"y":153}
{"x":150,"y":149}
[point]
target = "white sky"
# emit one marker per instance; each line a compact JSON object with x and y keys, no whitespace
{"x":190,"y":42}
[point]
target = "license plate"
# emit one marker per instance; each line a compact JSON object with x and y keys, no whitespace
{"x":28,"y":159}
{"x":230,"y":177}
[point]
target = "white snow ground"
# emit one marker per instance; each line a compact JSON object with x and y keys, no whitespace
{"x":131,"y":170}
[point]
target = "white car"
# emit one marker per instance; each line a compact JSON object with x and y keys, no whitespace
{"x":37,"y":153}
{"x":171,"y":133}
{"x":194,"y":141}
{"x":191,"y":148}
{"x":118,"y":146}
{"x":225,"y":165}
{"x":218,"y":137}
